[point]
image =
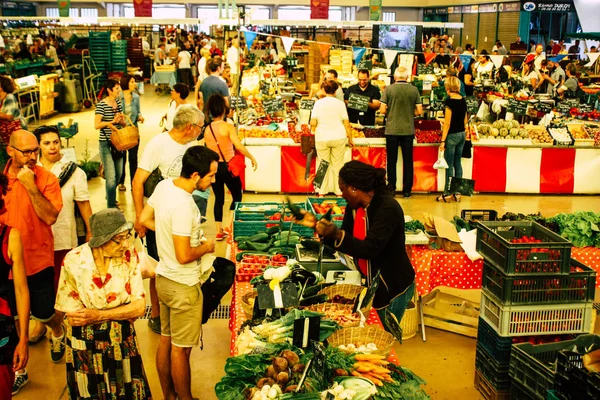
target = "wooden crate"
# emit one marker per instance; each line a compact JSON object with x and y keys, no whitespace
{"x":450,"y":313}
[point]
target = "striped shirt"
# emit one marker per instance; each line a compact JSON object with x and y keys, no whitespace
{"x":108,"y":114}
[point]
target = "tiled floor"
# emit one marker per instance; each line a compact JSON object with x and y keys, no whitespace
{"x":446,"y":360}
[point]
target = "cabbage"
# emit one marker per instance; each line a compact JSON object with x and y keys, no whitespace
{"x":363,"y":388}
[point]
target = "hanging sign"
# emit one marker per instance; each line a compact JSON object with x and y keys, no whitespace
{"x":319,"y":9}
{"x":288,"y":42}
{"x":63,"y":7}
{"x":547,"y":6}
{"x":358,"y":53}
{"x":389,"y":56}
{"x":375,"y":10}
{"x":142,"y":8}
{"x":250,"y":36}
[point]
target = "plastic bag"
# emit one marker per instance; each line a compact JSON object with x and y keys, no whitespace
{"x":441,"y":162}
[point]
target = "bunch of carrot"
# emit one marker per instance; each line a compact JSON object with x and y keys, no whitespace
{"x":372,"y":367}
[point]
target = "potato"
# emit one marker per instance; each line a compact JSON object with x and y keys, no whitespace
{"x":291,"y":357}
{"x":280,"y":364}
{"x":291,"y":388}
{"x":298,"y":368}
{"x":282,"y":378}
{"x":271,"y":373}
{"x":264,"y":381}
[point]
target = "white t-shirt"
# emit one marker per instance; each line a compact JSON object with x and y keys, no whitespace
{"x":233,"y":59}
{"x":532,"y":75}
{"x":165,"y":153}
{"x":176,"y":213}
{"x":186,"y":58}
{"x":171,"y":114}
{"x":485,"y":69}
{"x":202,"y":69}
{"x":538,"y":61}
{"x":76,"y":189}
{"x":330,"y":114}
{"x":275,"y":56}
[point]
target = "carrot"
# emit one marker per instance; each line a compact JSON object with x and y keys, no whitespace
{"x":379,"y":362}
{"x":373,"y":379}
{"x":380,"y":370}
{"x":368,"y":357}
{"x":356,"y":373}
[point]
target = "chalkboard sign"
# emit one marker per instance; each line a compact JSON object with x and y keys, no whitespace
{"x":265,"y":87}
{"x":543,"y":107}
{"x":238,"y":102}
{"x":271,"y":106}
{"x":361,"y":301}
{"x":424,"y":69}
{"x":307,"y":104}
{"x":585,"y":107}
{"x":472,"y":104}
{"x":437,"y":105}
{"x":365,"y":64}
{"x":305,"y":331}
{"x":563,"y":107}
{"x":358,"y":102}
{"x":267,"y":298}
{"x":321,"y":172}
{"x":316,"y":369}
{"x":572,"y":102}
{"x":517,"y":107}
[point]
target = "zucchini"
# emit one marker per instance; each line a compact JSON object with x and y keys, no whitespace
{"x":260,"y":246}
{"x":259,"y":237}
{"x":240,"y":239}
{"x":292,"y":242}
{"x":316,"y":299}
{"x":284,"y":235}
{"x":272,"y":230}
{"x":244,"y":245}
{"x":241,"y":254}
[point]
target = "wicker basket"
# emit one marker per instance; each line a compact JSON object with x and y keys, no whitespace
{"x":248,"y":303}
{"x":410,"y":322}
{"x":347,"y":291}
{"x":363,"y":336}
{"x":126,"y":138}
{"x":330,"y":308}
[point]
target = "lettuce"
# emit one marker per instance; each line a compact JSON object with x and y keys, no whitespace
{"x":581,"y":228}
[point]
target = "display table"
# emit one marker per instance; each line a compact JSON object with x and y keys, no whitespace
{"x":495,"y":168}
{"x":164,"y":77}
{"x":589,"y":256}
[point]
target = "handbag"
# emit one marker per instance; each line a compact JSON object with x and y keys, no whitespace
{"x":153,"y":179}
{"x":125,"y":138}
{"x":237,"y":164}
{"x":467,"y":149}
{"x":441,"y":161}
{"x":464,"y":186}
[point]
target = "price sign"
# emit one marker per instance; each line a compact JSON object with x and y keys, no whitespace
{"x":271,"y":106}
{"x":572,"y":102}
{"x":265,"y":87}
{"x":306,"y":330}
{"x":424,"y":69}
{"x":437,"y":105}
{"x":286,"y":296}
{"x":358,"y":102}
{"x":238,"y":102}
{"x":307,"y":104}
{"x":563,"y":107}
{"x":517,"y":107}
{"x":585,"y":107}
{"x":365,"y":64}
{"x":472,"y":104}
{"x":316,"y":369}
{"x":363,"y":301}
{"x":543,"y":107}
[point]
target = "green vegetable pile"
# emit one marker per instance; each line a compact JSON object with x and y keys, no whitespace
{"x":413,"y":226}
{"x":581,"y":228}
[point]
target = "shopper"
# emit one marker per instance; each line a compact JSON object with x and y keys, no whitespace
{"x":213,"y":84}
{"x":529,"y":75}
{"x":329,"y":122}
{"x":109,"y":114}
{"x":331,"y":75}
{"x":33,"y":202}
{"x":273,"y":53}
{"x":364,"y":88}
{"x":442,"y":60}
{"x":9,"y":107}
{"x":202,"y":74}
{"x":163,"y":152}
{"x":74,"y":191}
{"x":453,"y":136}
{"x":556,"y":77}
{"x":499,"y":48}
{"x":571,"y":85}
{"x":465,"y":74}
{"x":221,"y":137}
{"x":400,"y":103}
{"x":15,"y":351}
{"x":179,"y":95}
{"x":574,"y":51}
{"x":159,"y":55}
{"x":484,"y":67}
{"x":101,"y":292}
{"x":130,"y":101}
{"x":233,"y":59}
{"x":373,"y":233}
{"x":184,"y":65}
{"x":173,"y":215}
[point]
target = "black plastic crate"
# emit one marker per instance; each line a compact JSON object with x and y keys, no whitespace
{"x":576,"y":287}
{"x":479,"y":215}
{"x":519,"y":392}
{"x":497,"y":346}
{"x":551,"y":256}
{"x":535,"y":367}
{"x":487,"y":390}
{"x":574,"y":381}
{"x":493,"y":371}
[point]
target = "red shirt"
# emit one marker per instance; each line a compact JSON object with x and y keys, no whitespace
{"x":556,"y":48}
{"x":38,"y":241}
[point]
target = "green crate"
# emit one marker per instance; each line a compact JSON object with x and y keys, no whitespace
{"x":576,"y":287}
{"x":551,"y":256}
{"x":518,"y":392}
{"x":552,"y":395}
{"x":249,"y":228}
{"x":337,"y":218}
{"x":535,"y":366}
{"x":493,"y":371}
{"x":495,"y":345}
{"x":264,"y":213}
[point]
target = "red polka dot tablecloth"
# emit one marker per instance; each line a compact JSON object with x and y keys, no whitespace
{"x":441,"y":268}
{"x":589,"y":256}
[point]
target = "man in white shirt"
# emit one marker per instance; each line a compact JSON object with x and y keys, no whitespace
{"x":172,"y":213}
{"x":233,"y":59}
{"x":165,"y":152}
{"x":539,"y":56}
{"x":184,"y":65}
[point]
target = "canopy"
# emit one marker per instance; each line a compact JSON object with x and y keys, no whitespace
{"x":585,"y":35}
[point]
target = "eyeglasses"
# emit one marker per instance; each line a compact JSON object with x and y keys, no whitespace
{"x":120,"y":240}
{"x":27,"y":153}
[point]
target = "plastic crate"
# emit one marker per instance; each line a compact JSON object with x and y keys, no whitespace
{"x":576,"y":287}
{"x":495,"y":345}
{"x":551,"y":256}
{"x":518,"y":392}
{"x":249,"y":228}
{"x":574,"y":381}
{"x":487,"y":390}
{"x":527,"y":320}
{"x":479,"y":215}
{"x":337,"y":218}
{"x":535,"y":367}
{"x":67,"y":132}
{"x":553,"y":395}
{"x":494,"y":372}
{"x":263,"y":213}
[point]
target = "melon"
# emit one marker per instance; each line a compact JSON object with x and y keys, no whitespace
{"x":523,"y":133}
{"x":513,"y":132}
{"x":494,"y":132}
{"x":515,"y":124}
{"x":503,"y":132}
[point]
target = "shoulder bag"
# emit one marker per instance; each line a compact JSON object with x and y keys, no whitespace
{"x":153,"y":180}
{"x":65,"y":174}
{"x":237,"y":164}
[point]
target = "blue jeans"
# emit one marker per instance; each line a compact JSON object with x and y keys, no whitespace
{"x":399,"y":304}
{"x":453,"y":155}
{"x":112,"y":173}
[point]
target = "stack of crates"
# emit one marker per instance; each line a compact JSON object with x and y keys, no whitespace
{"x":531,"y":288}
{"x":118,"y":56}
{"x":135,"y":53}
{"x":100,"y":53}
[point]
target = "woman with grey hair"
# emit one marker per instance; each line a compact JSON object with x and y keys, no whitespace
{"x":101,"y":293}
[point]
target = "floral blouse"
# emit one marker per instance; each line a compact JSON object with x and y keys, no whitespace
{"x":81,"y":285}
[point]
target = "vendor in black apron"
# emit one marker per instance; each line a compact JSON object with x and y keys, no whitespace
{"x":363,"y":88}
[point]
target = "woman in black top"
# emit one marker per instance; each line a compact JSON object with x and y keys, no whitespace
{"x":373,"y":233}
{"x":465,"y":74}
{"x":453,"y":135}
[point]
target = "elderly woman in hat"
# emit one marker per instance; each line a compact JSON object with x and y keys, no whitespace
{"x":101,"y":292}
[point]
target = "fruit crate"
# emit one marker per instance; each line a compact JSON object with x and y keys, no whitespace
{"x":260,"y":211}
{"x":551,"y":256}
{"x":494,"y":372}
{"x":519,"y":392}
{"x":553,"y":395}
{"x":479,"y":215}
{"x":535,"y":366}
{"x":487,"y":390}
{"x":495,"y":345}
{"x":338,"y":218}
{"x":527,"y":320}
{"x":576,"y":287}
{"x":573,"y":380}
{"x":249,"y":228}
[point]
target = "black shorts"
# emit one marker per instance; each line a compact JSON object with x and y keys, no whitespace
{"x":41,"y":294}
